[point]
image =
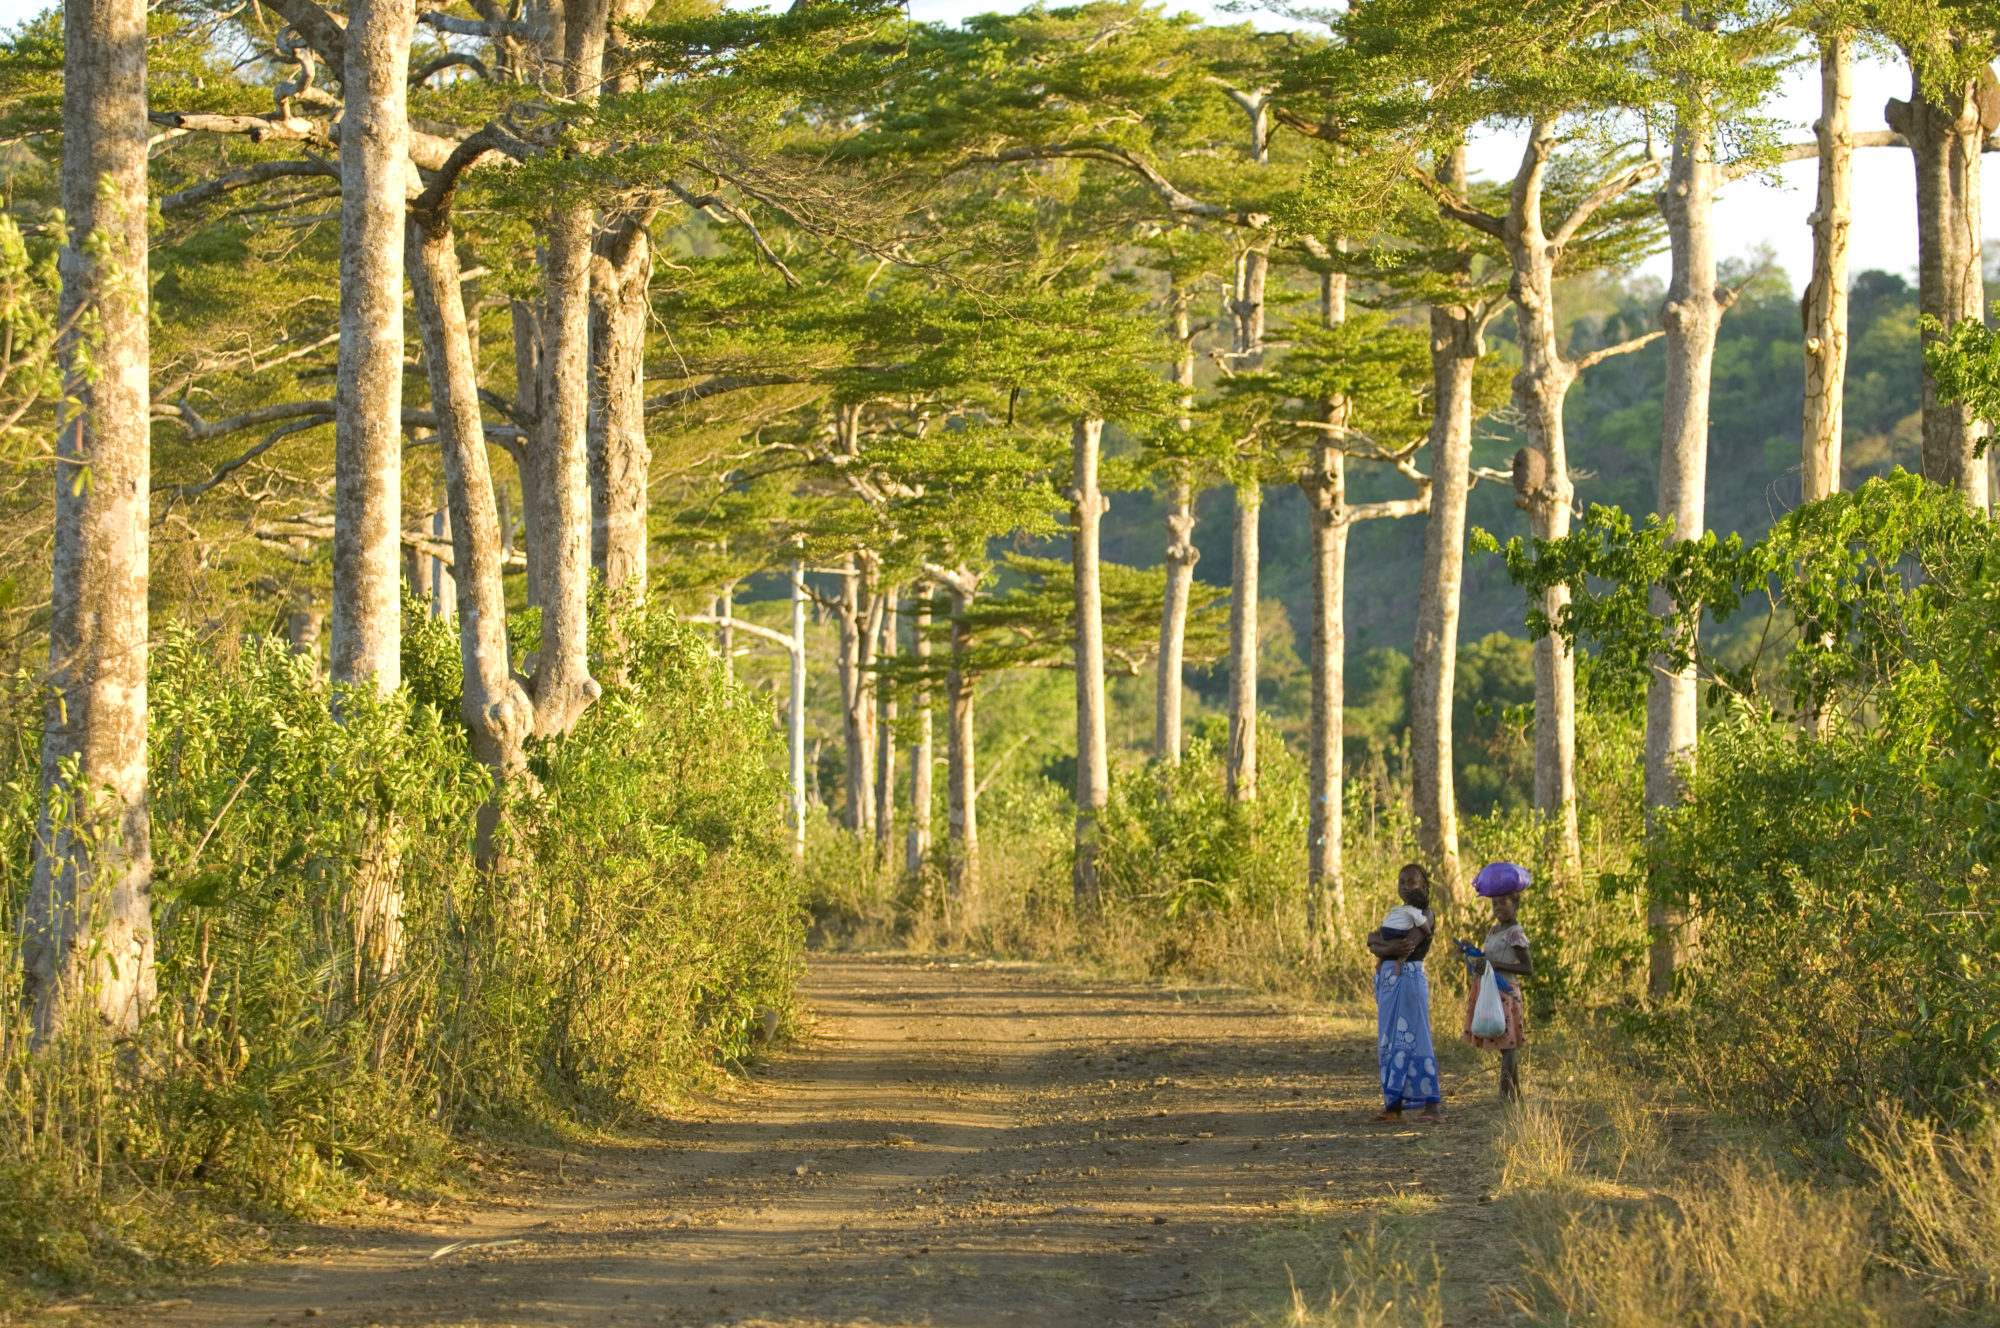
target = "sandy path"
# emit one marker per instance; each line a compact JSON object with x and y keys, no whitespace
{"x":954,"y":1144}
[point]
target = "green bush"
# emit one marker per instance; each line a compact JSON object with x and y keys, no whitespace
{"x":646,"y":919}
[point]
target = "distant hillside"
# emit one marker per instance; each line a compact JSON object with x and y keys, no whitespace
{"x":1613,"y":422}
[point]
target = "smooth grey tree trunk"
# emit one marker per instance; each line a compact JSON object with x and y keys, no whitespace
{"x":1825,"y":305}
{"x":917,"y":844}
{"x":1325,"y":486}
{"x":87,"y":936}
{"x":860,"y":620}
{"x":527,"y":330}
{"x":1326,"y":505}
{"x":1945,"y":143}
{"x":366,"y":630}
{"x":1539,"y":390}
{"x":444,"y":586}
{"x":961,"y":775}
{"x":885,"y":747}
{"x":1181,"y":556}
{"x":497,"y":712}
{"x":621,"y":274}
{"x":1456,"y":345}
{"x":1087,"y":505}
{"x":563,"y":687}
{"x":1242,"y":768}
{"x":1248,"y":309}
{"x":1691,"y":316}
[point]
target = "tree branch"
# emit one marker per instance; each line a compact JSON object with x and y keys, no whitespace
{"x":715,"y":387}
{"x":1125,"y":159}
{"x":740,"y":625}
{"x":1622,"y":348}
{"x":1604,"y":193}
{"x":448,"y":60}
{"x":210,"y":190}
{"x":472,"y":27}
{"x":1456,"y":205}
{"x":703,"y":202}
{"x":319,"y":28}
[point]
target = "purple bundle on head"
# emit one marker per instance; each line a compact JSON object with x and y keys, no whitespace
{"x":1500,"y":878}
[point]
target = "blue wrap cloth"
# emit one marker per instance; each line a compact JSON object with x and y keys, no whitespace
{"x":1403,"y":1036}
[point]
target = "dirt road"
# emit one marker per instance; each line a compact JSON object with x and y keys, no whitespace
{"x":953,"y":1144}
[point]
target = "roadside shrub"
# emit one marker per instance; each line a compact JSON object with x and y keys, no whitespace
{"x":645,"y":923}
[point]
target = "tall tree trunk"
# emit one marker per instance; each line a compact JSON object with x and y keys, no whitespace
{"x":368,"y":397}
{"x":725,"y":630}
{"x":527,"y":329}
{"x":1242,"y":769}
{"x":1456,"y":345}
{"x":1325,"y":486}
{"x":563,"y":686}
{"x":444,"y":586}
{"x":1093,"y":769}
{"x":885,"y":746}
{"x":497,"y":712}
{"x":1181,"y":557}
{"x":1543,"y":487}
{"x":1945,"y":143}
{"x":1691,"y":316}
{"x":1248,"y":311}
{"x":961,"y":779}
{"x":87,"y":937}
{"x":1825,"y":306}
{"x":917,"y":845}
{"x":860,"y":619}
{"x":1326,"y":495}
{"x":621,"y":272}
{"x":797,"y":716}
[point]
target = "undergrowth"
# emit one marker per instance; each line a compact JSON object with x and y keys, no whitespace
{"x":645,"y":925}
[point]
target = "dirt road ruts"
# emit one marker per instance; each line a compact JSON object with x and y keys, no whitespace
{"x":951,"y":1144}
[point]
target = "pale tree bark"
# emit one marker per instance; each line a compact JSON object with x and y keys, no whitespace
{"x":563,"y":687}
{"x":1093,"y":768}
{"x":1946,"y":139}
{"x":497,"y":712}
{"x":961,"y":776}
{"x":621,"y":272}
{"x":444,"y":586}
{"x":725,"y":632}
{"x":1691,"y":317}
{"x":1181,"y":556}
{"x":1539,"y":389}
{"x":1242,"y":768}
{"x":860,"y":615}
{"x":1825,"y":305}
{"x":1325,"y":486}
{"x":1247,"y":310}
{"x":885,"y":748}
{"x":1457,"y":342}
{"x":87,"y":937}
{"x":527,"y":330}
{"x":917,"y":844}
{"x":366,"y":631}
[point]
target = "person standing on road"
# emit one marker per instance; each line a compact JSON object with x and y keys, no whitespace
{"x":1506,"y":949}
{"x":1403,"y":1000}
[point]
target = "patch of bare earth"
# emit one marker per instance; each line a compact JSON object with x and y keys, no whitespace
{"x":953,"y":1144}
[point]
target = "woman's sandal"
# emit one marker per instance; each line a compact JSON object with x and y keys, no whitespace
{"x":1428,"y":1117}
{"x":1386,"y":1118}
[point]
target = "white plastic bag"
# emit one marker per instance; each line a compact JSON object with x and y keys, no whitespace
{"x":1489,"y":1016}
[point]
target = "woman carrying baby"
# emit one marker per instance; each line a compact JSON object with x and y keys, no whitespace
{"x":1403,"y":1000}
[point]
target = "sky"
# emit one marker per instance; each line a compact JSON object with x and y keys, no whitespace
{"x":1753,"y":215}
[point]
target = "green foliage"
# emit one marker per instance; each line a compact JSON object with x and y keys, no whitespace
{"x":1839,"y":875}
{"x":1966,"y":363}
{"x":647,"y":913}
